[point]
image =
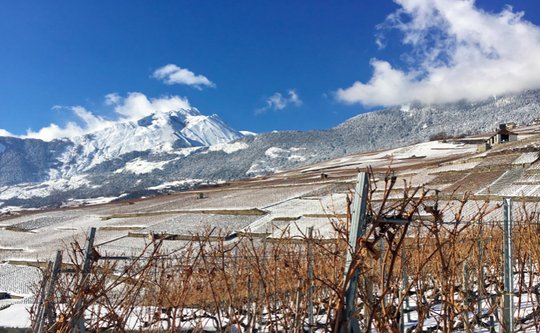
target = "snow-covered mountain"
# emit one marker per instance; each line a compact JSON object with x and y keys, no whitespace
{"x":178,"y":149}
{"x":158,"y":133}
{"x":34,"y":170}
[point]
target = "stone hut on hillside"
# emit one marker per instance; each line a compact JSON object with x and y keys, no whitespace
{"x":502,"y":135}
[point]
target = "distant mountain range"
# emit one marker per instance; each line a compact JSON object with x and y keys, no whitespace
{"x":182,"y":148}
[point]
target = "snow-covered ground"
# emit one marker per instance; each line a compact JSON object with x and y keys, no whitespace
{"x":409,"y":156}
{"x":15,"y":316}
{"x":178,"y":183}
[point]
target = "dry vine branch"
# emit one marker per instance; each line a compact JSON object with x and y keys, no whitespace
{"x":251,"y":283}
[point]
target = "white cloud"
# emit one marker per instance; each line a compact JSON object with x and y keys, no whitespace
{"x":90,"y":123}
{"x":172,"y":74}
{"x":3,"y":132}
{"x":294,"y":99}
{"x":112,"y":99}
{"x":278,"y":102}
{"x":54,"y":131}
{"x":136,"y":105}
{"x":458,"y":52}
{"x":132,"y":107}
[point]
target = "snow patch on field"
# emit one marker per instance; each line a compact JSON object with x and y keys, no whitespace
{"x":2,"y":148}
{"x":139,"y":166}
{"x":18,"y":316}
{"x":432,"y":149}
{"x":93,"y":201}
{"x":7,"y":209}
{"x":177,"y":183}
{"x":15,"y":316}
{"x":229,"y":147}
{"x":405,"y":156}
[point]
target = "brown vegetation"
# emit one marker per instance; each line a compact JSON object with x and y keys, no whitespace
{"x":450,"y":271}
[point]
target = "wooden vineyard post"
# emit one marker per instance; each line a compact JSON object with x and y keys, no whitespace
{"x":297,"y":316}
{"x":251,"y":308}
{"x":466,"y":296}
{"x":357,"y":230}
{"x":405,"y":297}
{"x":262,"y":289}
{"x":481,"y":291}
{"x":508,"y":308}
{"x":46,"y":311}
{"x":41,"y":300}
{"x":78,"y":320}
{"x":310,"y":279}
{"x":381,"y":267}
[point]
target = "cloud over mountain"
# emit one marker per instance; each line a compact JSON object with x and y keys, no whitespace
{"x":133,"y":106}
{"x":137,"y":105}
{"x":458,"y":51}
{"x":3,"y":132}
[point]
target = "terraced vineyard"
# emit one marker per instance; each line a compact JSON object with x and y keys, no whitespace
{"x":269,"y":218}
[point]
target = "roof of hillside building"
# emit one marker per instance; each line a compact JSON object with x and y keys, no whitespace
{"x":504,"y":131}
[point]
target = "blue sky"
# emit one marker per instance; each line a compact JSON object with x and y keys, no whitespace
{"x":260,"y":65}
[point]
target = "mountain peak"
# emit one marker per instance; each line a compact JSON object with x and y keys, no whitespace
{"x":190,"y":127}
{"x":160,"y":132}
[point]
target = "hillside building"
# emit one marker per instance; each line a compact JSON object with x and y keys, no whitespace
{"x":502,"y":135}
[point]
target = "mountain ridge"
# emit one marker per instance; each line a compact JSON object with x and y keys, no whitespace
{"x":187,"y":148}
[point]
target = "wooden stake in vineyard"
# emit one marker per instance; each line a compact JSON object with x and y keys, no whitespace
{"x":508,"y":310}
{"x":45,"y":315}
{"x":358,"y":226}
{"x":78,"y":322}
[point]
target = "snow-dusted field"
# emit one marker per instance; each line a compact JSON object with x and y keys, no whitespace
{"x":409,"y":156}
{"x":19,"y":280}
{"x":193,"y":224}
